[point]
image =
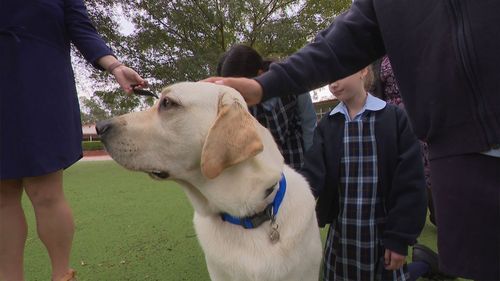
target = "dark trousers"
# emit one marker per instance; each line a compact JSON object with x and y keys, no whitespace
{"x":466,"y":193}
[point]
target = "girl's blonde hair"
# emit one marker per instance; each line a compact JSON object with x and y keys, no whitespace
{"x":369,"y":79}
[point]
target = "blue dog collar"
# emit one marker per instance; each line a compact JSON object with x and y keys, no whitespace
{"x":268,"y":214}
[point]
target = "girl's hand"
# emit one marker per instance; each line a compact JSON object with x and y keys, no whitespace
{"x":126,"y":76}
{"x":393,"y":260}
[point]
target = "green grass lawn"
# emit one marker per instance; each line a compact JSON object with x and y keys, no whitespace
{"x":128,"y":227}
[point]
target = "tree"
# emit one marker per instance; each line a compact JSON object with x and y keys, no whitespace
{"x":106,"y":104}
{"x":179,"y":40}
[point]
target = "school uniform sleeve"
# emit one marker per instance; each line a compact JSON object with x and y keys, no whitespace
{"x":352,"y":42}
{"x":406,"y":202}
{"x":83,"y":33}
{"x":307,"y":118}
{"x":314,"y":169}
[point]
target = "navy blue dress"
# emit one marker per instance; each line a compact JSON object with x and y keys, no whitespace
{"x":40,"y":127}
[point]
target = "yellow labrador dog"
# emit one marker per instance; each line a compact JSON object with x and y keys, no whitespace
{"x":254,"y":216}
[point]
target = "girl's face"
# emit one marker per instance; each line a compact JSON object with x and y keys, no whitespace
{"x":350,"y":86}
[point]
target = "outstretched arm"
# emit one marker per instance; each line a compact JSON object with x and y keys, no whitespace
{"x":93,"y":48}
{"x":352,"y":42}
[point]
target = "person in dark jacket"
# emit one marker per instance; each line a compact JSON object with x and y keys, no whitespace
{"x":424,"y":260}
{"x":445,"y":57}
{"x":365,"y":169}
{"x":386,"y":88}
{"x":40,"y":126}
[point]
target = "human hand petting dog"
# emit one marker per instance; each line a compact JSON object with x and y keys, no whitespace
{"x":393,"y":260}
{"x":248,"y":88}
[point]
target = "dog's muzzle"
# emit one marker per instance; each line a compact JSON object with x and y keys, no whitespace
{"x":103,"y":127}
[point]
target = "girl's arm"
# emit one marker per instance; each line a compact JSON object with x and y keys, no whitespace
{"x":407,"y":202}
{"x":314,"y":169}
{"x":307,"y":118}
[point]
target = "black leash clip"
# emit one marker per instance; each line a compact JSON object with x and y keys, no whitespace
{"x":142,"y":92}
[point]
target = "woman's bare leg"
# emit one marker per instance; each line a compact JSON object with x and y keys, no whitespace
{"x":13,"y":231}
{"x":54,"y":218}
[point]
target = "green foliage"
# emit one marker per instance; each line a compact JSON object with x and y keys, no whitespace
{"x":92,"y":145}
{"x":106,"y":104}
{"x":178,"y":40}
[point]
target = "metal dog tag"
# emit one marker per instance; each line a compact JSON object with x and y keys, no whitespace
{"x":274,"y":235}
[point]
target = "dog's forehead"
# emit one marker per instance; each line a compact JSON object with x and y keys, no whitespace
{"x":200,"y":92}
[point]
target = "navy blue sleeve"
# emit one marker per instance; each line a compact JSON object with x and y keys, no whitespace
{"x":314,"y":169}
{"x":83,"y":33}
{"x":352,"y":42}
{"x":307,"y":118}
{"x":407,"y":200}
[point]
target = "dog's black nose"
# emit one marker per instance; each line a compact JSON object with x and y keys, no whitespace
{"x":103,"y":127}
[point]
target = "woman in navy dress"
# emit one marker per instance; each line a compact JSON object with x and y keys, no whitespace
{"x":40,"y":124}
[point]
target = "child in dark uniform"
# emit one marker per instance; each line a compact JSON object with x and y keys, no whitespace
{"x":280,"y":115}
{"x":365,"y":168}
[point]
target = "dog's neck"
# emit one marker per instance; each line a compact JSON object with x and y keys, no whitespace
{"x":240,"y":190}
{"x":247,"y":195}
{"x":256,"y":218}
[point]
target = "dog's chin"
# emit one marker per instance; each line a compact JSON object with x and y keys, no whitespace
{"x":157,"y":175}
{"x":126,"y":163}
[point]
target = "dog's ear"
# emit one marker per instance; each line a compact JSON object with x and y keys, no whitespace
{"x":232,"y":139}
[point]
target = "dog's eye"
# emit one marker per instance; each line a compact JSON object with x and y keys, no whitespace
{"x":166,"y":103}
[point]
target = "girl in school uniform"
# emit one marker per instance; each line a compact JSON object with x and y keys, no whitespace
{"x":365,"y":168}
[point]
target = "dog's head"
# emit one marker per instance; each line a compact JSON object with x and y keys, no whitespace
{"x":193,"y":128}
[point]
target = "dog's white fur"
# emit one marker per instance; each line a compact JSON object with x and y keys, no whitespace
{"x":204,"y":137}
